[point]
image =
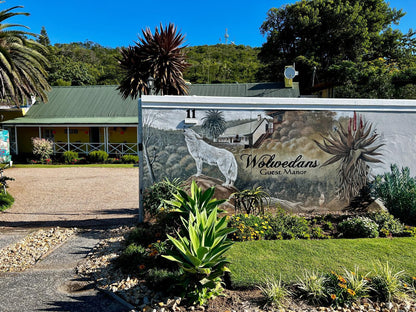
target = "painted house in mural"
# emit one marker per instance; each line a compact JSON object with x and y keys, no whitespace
{"x":248,"y":134}
{"x":89,"y":118}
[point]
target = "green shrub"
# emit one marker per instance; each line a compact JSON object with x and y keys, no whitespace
{"x":358,"y":227}
{"x":114,"y":161}
{"x":270,"y":227}
{"x":287,"y":226}
{"x":6,"y":200}
{"x":387,"y":224}
{"x":97,"y":156}
{"x":397,"y":190}
{"x":70,"y":157}
{"x":130,"y":159}
{"x":155,"y":196}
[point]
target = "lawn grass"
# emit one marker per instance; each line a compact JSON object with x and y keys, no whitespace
{"x":77,"y":165}
{"x":253,"y":260}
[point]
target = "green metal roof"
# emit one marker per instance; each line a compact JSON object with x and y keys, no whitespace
{"x":264,"y":89}
{"x":104,"y":104}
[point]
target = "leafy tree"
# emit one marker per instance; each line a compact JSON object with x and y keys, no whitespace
{"x":22,"y":63}
{"x":323,"y":33}
{"x":213,"y":123}
{"x":84,"y":63}
{"x":222,"y":63}
{"x":44,"y":38}
{"x":158,"y":55}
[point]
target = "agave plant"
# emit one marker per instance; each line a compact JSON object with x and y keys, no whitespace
{"x":200,"y":254}
{"x":353,"y":148}
{"x":158,"y":55}
{"x":198,"y":200}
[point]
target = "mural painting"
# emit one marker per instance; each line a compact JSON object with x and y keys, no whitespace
{"x":306,"y":160}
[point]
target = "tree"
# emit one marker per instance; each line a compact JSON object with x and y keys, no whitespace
{"x":323,"y":33}
{"x":158,"y":55}
{"x":213,"y":123}
{"x":44,"y":38}
{"x":22,"y":63}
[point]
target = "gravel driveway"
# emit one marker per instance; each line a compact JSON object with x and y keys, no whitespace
{"x":71,"y":197}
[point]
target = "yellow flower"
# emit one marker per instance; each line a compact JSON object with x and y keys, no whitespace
{"x":333,"y":296}
{"x":414,"y":277}
{"x":405,"y":285}
{"x":351,"y":292}
{"x":245,"y":215}
{"x":342,"y":285}
{"x":255,"y":224}
{"x":341,"y":279}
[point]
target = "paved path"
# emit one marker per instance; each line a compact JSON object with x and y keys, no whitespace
{"x":52,"y":285}
{"x":90,"y":198}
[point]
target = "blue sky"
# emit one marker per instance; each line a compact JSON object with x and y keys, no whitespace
{"x":118,"y":23}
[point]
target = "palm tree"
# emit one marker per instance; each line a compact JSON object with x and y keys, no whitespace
{"x":214,"y":123}
{"x":157,"y":55}
{"x":22,"y":63}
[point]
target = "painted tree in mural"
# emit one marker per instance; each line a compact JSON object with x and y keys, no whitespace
{"x":353,"y":148}
{"x":213,"y":123}
{"x":157,"y":55}
{"x":22,"y":63}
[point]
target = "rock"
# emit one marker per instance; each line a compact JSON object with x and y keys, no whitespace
{"x":376,"y":206}
{"x":221,"y":191}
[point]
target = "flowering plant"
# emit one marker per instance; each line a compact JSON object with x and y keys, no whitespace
{"x":42,"y":148}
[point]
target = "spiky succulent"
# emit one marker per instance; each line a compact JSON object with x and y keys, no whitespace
{"x":354,"y":148}
{"x":158,"y":55}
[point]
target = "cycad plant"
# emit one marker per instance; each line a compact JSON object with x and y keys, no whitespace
{"x":353,"y":148}
{"x":157,"y":55}
{"x":22,"y":63}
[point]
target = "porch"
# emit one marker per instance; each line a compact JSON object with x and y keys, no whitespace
{"x":115,"y":140}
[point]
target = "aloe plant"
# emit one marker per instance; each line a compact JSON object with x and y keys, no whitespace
{"x":197,"y":201}
{"x":353,"y":148}
{"x":200,"y":253}
{"x":251,"y":201}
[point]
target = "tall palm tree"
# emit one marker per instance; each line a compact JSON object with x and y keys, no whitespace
{"x":22,"y":63}
{"x":157,"y":55}
{"x":214,"y":123}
